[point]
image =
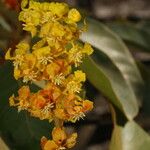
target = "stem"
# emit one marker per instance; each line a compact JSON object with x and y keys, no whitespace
{"x":58,"y":123}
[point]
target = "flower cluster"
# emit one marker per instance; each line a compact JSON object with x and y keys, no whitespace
{"x":52,"y":103}
{"x":56,"y":50}
{"x":60,"y":140}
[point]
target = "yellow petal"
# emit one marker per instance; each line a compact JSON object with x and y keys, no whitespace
{"x":11,"y":101}
{"x":50,"y":145}
{"x":45,"y":29}
{"x":71,"y":141}
{"x":79,"y":76}
{"x":42,"y":51}
{"x":22,"y":48}
{"x":24,"y":92}
{"x":39,"y":102}
{"x":31,"y":28}
{"x":87,"y":105}
{"x":74,"y":15}
{"x":34,"y":5}
{"x":59,"y":113}
{"x":8,"y":56}
{"x":39,"y":44}
{"x":17,"y":73}
{"x":58,"y":9}
{"x":30,"y":60}
{"x":52,"y":69}
{"x":87,"y":49}
{"x":24,"y":3}
{"x":43,"y":141}
{"x":58,"y":135}
{"x":57,"y":30}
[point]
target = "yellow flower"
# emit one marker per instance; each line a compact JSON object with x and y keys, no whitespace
{"x":39,"y":102}
{"x":52,"y":70}
{"x":33,"y":5}
{"x":29,"y":75}
{"x":60,"y":140}
{"x":22,"y":48}
{"x":73,"y":82}
{"x":74,"y":15}
{"x":57,"y":30}
{"x":31,"y":28}
{"x":30,"y":61}
{"x":30,"y":16}
{"x":50,"y":145}
{"x":42,"y":51}
{"x":75,"y":55}
{"x":76,"y":107}
{"x":11,"y":100}
{"x":58,"y":79}
{"x":73,"y":87}
{"x":58,"y":135}
{"x":79,"y":76}
{"x":58,"y":9}
{"x":24,"y":92}
{"x":87,"y":105}
{"x":8,"y":55}
{"x":24,"y":3}
{"x":22,"y":101}
{"x":46,"y":17}
{"x":87,"y":49}
{"x":17,"y":73}
{"x":39,"y":44}
{"x":22,"y":104}
{"x":71,"y":141}
{"x":45,"y":29}
{"x":60,"y":113}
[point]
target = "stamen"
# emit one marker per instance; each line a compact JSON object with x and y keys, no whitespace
{"x":73,"y":87}
{"x":78,"y":116}
{"x":47,"y":108}
{"x":18,"y":61}
{"x":58,"y":79}
{"x":61,"y":148}
{"x":30,"y":77}
{"x":45,"y":60}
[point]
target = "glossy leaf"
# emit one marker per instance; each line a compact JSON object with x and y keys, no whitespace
{"x":119,"y":79}
{"x":129,"y":137}
{"x":135,"y":36}
{"x":20,"y":130}
{"x":111,"y":45}
{"x":111,"y":83}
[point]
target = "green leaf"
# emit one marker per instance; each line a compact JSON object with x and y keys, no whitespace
{"x":118,"y":79}
{"x":19,"y":130}
{"x":111,"y":45}
{"x":131,"y":34}
{"x":111,"y":83}
{"x":129,"y":137}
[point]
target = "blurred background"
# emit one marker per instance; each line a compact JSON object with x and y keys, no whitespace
{"x":130,"y":20}
{"x":114,"y":9}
